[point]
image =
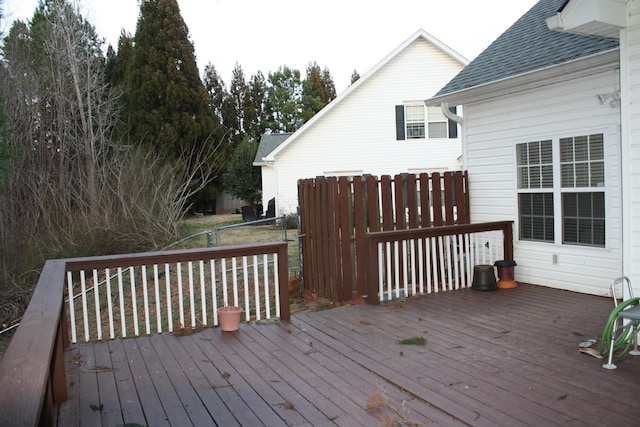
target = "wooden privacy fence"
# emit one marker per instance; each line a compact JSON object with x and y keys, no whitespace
{"x":336,"y":213}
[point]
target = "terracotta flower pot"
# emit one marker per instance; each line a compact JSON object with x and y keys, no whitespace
{"x":229,"y":318}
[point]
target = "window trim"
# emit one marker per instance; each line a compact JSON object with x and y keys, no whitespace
{"x":559,"y":191}
{"x":402,"y":133}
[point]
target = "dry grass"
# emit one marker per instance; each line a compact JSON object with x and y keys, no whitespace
{"x":245,"y":235}
{"x":389,"y":415}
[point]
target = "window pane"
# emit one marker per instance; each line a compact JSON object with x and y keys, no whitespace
{"x":438,"y":130}
{"x":415,"y":130}
{"x":536,"y":216}
{"x":598,"y":205}
{"x":596,"y":147}
{"x":547,"y":176}
{"x":570,"y":229}
{"x":548,"y":205}
{"x":568,"y":175}
{"x":521,"y":154}
{"x":597,"y":174}
{"x":523,"y":177}
{"x":582,"y":175}
{"x":546,"y":152}
{"x":436,"y":114}
{"x":534,"y":153}
{"x":582,"y":161}
{"x":598,"y":232}
{"x":581,"y":149}
{"x":570,"y":205}
{"x":566,"y":150}
{"x":583,"y":219}
{"x":414,"y":113}
{"x":534,"y":177}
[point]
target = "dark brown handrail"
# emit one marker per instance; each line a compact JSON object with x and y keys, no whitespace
{"x":32,"y":374}
{"x":372,"y":240}
{"x":32,"y":368}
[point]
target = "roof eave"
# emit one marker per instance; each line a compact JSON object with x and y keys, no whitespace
{"x":557,"y":73}
{"x":600,"y":18}
{"x":344,"y":94}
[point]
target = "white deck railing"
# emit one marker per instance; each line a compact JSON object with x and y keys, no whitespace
{"x":436,"y":259}
{"x":168,"y":291}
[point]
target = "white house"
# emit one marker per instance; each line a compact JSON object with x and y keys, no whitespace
{"x":379,"y":125}
{"x":550,"y":140}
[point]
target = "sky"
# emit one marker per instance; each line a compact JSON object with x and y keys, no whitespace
{"x":342,"y":35}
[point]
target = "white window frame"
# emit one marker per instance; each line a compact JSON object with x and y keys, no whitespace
{"x":559,"y":191}
{"x":430,"y":116}
{"x":414,"y":122}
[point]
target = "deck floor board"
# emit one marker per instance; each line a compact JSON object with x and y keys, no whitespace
{"x":506,"y":357}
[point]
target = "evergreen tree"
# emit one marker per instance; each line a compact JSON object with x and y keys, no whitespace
{"x":238,"y":94}
{"x":242,"y":179}
{"x":165,"y":102}
{"x":116,"y":68}
{"x":216,"y":89}
{"x":318,"y":90}
{"x":284,"y":100}
{"x":255,"y":107}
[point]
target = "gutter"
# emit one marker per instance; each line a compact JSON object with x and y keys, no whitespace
{"x":551,"y":74}
{"x":449,"y":114}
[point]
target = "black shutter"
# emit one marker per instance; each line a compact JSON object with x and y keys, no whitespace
{"x":400,"y":135}
{"x":453,"y":125}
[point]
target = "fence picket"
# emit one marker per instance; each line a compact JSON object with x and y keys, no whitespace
{"x":192,"y":296}
{"x":96,"y":293}
{"x":145,"y":299}
{"x":72,"y":311}
{"x":134,"y":302}
{"x":85,"y":313}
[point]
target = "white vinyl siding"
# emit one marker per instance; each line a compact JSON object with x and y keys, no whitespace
{"x":494,"y":129}
{"x":359,"y":133}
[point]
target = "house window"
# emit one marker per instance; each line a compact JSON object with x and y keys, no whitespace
{"x":535,"y":190}
{"x":582,"y":172}
{"x":415,"y":121}
{"x":580,"y":190}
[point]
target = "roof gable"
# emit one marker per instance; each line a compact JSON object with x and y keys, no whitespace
{"x":418,"y":35}
{"x":268,"y":143}
{"x":526,"y":46}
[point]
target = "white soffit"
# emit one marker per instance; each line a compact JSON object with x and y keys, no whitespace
{"x":601,"y":18}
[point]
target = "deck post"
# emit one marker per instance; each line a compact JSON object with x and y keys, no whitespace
{"x":58,"y":376}
{"x":283,"y":279}
{"x":371,"y":249}
{"x":507,"y":234}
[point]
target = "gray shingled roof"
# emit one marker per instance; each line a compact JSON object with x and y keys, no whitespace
{"x":526,"y":46}
{"x":268,"y":143}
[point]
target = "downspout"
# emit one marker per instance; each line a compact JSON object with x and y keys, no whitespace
{"x":458,"y":119}
{"x":450,"y":115}
{"x":625,"y":153}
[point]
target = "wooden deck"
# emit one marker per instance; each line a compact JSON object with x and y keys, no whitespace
{"x":506,"y":357}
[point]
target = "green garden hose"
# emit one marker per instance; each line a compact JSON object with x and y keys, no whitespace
{"x":624,"y":340}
